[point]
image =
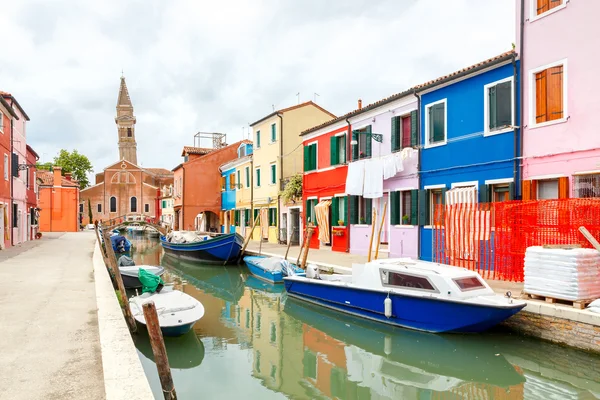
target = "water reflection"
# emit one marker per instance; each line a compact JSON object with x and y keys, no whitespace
{"x":254,"y":342}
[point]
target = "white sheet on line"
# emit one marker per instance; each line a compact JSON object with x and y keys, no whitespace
{"x":373,"y":182}
{"x":355,"y":178}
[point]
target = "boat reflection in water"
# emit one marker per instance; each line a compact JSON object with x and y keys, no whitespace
{"x":348,"y":358}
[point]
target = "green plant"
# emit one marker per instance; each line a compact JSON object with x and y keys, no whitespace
{"x":293,"y":188}
{"x":362,"y":220}
{"x":340,"y":222}
{"x":405,"y":219}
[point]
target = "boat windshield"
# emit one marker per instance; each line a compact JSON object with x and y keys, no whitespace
{"x":470,"y":283}
{"x":392,"y":278}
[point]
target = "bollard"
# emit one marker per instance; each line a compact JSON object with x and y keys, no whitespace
{"x":159,"y":350}
{"x":112,"y":261}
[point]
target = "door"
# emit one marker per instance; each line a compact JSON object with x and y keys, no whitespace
{"x":295,"y":226}
{"x":284,"y":228}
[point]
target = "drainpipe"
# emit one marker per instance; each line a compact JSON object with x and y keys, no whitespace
{"x":348,"y":157}
{"x":12,"y":199}
{"x":280,"y":178}
{"x":418,"y":96}
{"x":516,"y":179}
{"x":521,"y":122}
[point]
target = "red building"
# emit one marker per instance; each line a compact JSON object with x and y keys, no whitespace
{"x":32,"y":200}
{"x":7,"y":115}
{"x":324,"y":182}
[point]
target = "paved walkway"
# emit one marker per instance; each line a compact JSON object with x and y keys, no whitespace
{"x":49,"y":340}
{"x":342,"y":262}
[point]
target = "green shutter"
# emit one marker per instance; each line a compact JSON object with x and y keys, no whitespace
{"x":344,"y":217}
{"x":238,"y":180}
{"x":353,"y":203}
{"x":369,"y":143}
{"x":333,"y":150}
{"x":236,"y":217}
{"x":369,"y":211}
{"x":258,"y":177}
{"x":414,"y":207}
{"x":484,"y":193}
{"x":247,"y":177}
{"x":414,"y":131}
{"x":306,"y":158}
{"x":258,"y":139}
{"x":247,"y":217}
{"x":394,"y":207}
{"x":342,"y":147}
{"x":273,"y":135}
{"x":335,"y":211}
{"x":273,"y":173}
{"x":355,"y":147}
{"x":270,"y":217}
{"x":423,"y":207}
{"x":437,"y":123}
{"x":256,"y":211}
{"x":275,"y":216}
{"x":395,"y":133}
{"x":511,"y":191}
{"x":314,"y":156}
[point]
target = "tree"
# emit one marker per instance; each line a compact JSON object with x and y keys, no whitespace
{"x":90,"y":211}
{"x":71,"y":162}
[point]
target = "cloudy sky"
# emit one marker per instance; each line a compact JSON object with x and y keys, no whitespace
{"x":196,"y":65}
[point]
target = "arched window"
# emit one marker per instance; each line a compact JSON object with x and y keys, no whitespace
{"x":133,"y":205}
{"x":113,"y":204}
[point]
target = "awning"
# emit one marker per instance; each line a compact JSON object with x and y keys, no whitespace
{"x":322,"y":214}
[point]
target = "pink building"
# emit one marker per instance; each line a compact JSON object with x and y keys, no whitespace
{"x":561,"y":144}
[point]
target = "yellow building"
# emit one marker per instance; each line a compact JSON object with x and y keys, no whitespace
{"x":278,"y":156}
{"x":243,"y":195}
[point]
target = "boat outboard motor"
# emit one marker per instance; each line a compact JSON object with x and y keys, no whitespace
{"x":125,"y":261}
{"x":312,"y":271}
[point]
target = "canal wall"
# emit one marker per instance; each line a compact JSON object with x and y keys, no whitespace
{"x":124,"y":377}
{"x":558,"y":324}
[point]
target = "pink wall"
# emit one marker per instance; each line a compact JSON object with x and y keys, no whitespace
{"x":572,"y":145}
{"x":19,"y":184}
{"x":402,"y":239}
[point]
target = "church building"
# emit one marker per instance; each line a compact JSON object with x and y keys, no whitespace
{"x":124,"y":189}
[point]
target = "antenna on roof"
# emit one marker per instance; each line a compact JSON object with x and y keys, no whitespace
{"x":298,"y":94}
{"x":273,"y":105}
{"x":315,"y":96}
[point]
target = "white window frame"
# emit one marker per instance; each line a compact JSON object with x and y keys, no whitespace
{"x":486,"y":109}
{"x":272,"y":179}
{"x":533,"y":10}
{"x":532,"y":110}
{"x":1,"y":122}
{"x":6,"y":174}
{"x":274,"y":124}
{"x":427,"y":107}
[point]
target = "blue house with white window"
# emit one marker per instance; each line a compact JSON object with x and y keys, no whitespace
{"x":470,"y":144}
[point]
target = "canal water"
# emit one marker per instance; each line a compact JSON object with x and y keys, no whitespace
{"x":255,"y":343}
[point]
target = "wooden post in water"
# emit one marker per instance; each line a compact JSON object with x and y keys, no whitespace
{"x":373,"y":220}
{"x":159,"y":350}
{"x":248,"y":238}
{"x":302,"y":247}
{"x":379,"y":232}
{"x":112,"y":260}
{"x":305,"y":255}
{"x":288,"y":248}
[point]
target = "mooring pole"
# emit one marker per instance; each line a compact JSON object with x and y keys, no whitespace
{"x":373,"y":222}
{"x":305,"y":255}
{"x":379,"y":232}
{"x":159,"y":350}
{"x":112,"y":260}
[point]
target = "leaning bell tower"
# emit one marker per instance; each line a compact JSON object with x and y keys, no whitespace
{"x":126,"y":125}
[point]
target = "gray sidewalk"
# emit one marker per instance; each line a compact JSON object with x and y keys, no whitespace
{"x":50,"y":346}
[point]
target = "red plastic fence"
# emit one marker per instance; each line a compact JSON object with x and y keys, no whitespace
{"x":491,"y":238}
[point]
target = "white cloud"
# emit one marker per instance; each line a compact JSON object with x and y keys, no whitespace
{"x":216,"y":66}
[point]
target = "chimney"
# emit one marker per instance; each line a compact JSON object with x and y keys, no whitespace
{"x":68,"y":176}
{"x":359,"y":104}
{"x":56,"y":171}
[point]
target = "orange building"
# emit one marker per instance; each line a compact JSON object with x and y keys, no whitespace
{"x":58,"y":201}
{"x":197,"y":187}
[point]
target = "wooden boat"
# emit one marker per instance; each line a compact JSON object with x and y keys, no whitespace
{"x":271,"y":269}
{"x":409,"y":293}
{"x":216,"y":249}
{"x":177,"y":311}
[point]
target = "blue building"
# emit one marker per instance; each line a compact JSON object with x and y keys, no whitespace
{"x":470,"y":141}
{"x":230,"y":185}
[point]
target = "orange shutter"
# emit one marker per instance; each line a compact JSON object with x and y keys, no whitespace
{"x":529,"y":190}
{"x":542,"y":6}
{"x":533,"y":194}
{"x":563,"y":188}
{"x":232,"y":181}
{"x":221,"y":217}
{"x":222,"y":183}
{"x":554,"y":93}
{"x":540,"y":97}
{"x":553,"y":3}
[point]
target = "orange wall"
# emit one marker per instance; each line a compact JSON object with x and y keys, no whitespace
{"x":59,"y":209}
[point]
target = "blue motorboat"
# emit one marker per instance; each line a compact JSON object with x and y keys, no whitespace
{"x":409,"y":293}
{"x":214,"y":249}
{"x":120,"y":244}
{"x":271,"y":269}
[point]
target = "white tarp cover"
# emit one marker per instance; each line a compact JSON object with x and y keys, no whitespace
{"x":569,"y":274}
{"x":185,"y":237}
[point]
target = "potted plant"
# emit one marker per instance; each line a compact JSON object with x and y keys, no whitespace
{"x":405,"y":220}
{"x":340,"y":222}
{"x":362,"y":220}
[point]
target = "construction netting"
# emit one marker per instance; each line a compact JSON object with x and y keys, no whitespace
{"x":491,"y":238}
